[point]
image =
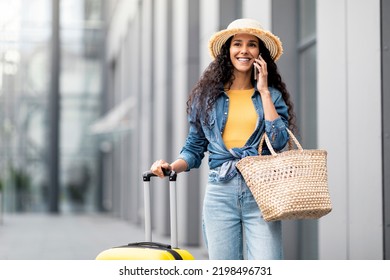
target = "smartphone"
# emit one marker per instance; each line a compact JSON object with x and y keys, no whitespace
{"x":255,"y":72}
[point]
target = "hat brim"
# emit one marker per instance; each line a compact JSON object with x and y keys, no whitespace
{"x":272,"y":42}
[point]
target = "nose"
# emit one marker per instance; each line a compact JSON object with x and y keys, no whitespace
{"x":243,"y":49}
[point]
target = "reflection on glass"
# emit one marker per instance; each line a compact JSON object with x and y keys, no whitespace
{"x":25,"y":30}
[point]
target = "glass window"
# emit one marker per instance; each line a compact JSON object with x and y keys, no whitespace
{"x":307,"y":52}
{"x":307,"y":16}
{"x":24,"y":59}
{"x":25,"y":47}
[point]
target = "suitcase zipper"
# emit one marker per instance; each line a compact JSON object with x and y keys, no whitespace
{"x":156,"y":246}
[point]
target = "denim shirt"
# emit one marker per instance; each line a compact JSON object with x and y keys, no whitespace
{"x":209,"y":136}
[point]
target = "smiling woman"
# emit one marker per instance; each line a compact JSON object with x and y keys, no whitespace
{"x":229,"y":109}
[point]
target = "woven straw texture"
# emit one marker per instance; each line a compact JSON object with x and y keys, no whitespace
{"x":248,"y":26}
{"x":288,"y":185}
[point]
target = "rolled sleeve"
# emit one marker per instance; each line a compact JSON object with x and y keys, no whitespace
{"x":195,"y":146}
{"x":276,"y":132}
{"x":188,"y":159}
{"x":193,"y":151}
{"x":276,"y":129}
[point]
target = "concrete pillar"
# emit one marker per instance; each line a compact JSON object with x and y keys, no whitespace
{"x":146,"y":114}
{"x":54,"y":112}
{"x":185,"y":67}
{"x":385,"y":9}
{"x":161,"y":59}
{"x":349,"y":127}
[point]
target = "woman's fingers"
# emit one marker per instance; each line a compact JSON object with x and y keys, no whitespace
{"x":158,"y":166}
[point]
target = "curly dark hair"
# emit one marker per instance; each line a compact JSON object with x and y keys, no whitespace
{"x":220,"y":72}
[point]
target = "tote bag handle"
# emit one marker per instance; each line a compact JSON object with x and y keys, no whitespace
{"x":293,"y":140}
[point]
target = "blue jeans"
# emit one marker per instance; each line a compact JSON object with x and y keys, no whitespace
{"x":232,"y":221}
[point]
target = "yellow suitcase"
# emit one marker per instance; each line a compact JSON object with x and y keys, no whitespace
{"x":145,"y":251}
{"x":149,"y":250}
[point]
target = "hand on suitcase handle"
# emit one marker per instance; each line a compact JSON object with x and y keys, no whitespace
{"x":170,"y":173}
{"x":161,"y":168}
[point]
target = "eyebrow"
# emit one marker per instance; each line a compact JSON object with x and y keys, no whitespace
{"x":240,"y":40}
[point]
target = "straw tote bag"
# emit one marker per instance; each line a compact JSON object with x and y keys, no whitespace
{"x":292,"y":184}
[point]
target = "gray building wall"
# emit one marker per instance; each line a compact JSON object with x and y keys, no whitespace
{"x":349,"y":127}
{"x":385,"y":10}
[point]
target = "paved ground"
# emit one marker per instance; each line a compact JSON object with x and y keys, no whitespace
{"x":68,"y":237}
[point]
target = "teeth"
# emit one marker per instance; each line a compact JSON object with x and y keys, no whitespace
{"x":243,"y":59}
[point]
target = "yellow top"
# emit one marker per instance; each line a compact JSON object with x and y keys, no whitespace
{"x":242,"y":118}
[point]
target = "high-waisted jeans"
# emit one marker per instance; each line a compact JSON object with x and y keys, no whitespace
{"x":233,"y":222}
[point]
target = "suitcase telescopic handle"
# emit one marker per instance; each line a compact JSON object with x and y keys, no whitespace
{"x":172,"y":175}
{"x":168,"y":173}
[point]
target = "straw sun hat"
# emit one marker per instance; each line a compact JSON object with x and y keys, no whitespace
{"x":248,"y":26}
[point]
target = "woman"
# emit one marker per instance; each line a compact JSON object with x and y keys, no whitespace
{"x":239,"y":97}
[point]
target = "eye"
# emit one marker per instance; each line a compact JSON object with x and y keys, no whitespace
{"x":252,"y":45}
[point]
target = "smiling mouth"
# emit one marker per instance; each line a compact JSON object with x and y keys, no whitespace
{"x":241,"y":59}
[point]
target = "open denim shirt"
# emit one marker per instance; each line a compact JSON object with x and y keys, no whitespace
{"x":209,"y":136}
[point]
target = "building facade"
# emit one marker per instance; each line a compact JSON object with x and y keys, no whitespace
{"x":335,"y":66}
{"x":51,"y":64}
